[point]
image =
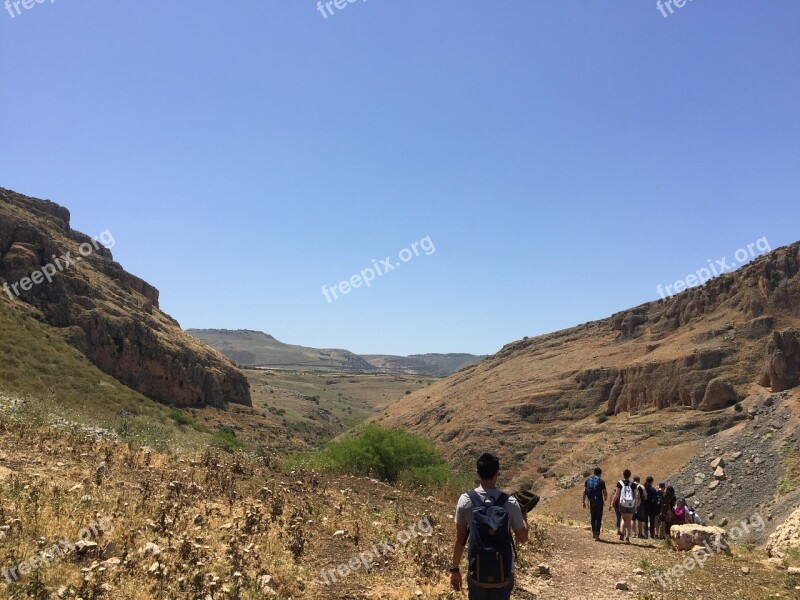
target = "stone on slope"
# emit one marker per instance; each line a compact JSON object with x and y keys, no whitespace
{"x":686,"y":537}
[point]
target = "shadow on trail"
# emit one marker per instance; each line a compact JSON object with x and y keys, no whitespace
{"x":614,"y":542}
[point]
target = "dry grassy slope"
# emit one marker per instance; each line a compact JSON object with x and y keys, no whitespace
{"x":216,"y":526}
{"x":108,"y":314}
{"x":649,"y":370}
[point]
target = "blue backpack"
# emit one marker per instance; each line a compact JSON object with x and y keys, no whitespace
{"x":593,"y":489}
{"x":490,"y":544}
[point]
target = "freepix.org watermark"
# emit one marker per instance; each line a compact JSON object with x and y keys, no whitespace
{"x":698,"y":558}
{"x":58,"y":264}
{"x":667,"y":5}
{"x":369,"y":556}
{"x":378,"y":269}
{"x":57,"y":550}
{"x":326,"y":8}
{"x":12,"y":6}
{"x":715,"y":268}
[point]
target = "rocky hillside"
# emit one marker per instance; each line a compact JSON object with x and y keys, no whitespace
{"x":71,"y":282}
{"x":644,"y":388}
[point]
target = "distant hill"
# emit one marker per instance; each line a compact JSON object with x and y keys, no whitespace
{"x":439,"y":365}
{"x":257,"y":349}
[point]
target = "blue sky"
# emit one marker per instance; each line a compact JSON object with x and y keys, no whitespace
{"x":564,"y":157}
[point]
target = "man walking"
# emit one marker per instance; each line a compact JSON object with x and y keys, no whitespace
{"x":488,"y":516}
{"x":653,"y":507}
{"x":595,"y":490}
{"x":640,"y":514}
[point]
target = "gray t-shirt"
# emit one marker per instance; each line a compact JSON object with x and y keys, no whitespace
{"x":464,"y":509}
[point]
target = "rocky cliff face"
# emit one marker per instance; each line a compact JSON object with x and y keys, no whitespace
{"x":110,"y":315}
{"x":697,"y":352}
{"x":782,"y":368}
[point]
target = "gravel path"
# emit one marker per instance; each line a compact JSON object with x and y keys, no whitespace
{"x":583,"y":568}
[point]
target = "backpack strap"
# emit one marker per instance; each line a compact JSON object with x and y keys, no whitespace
{"x":475,"y":499}
{"x":501,"y":499}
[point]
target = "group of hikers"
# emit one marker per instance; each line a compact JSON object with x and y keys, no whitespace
{"x":490,"y":520}
{"x":643,"y":510}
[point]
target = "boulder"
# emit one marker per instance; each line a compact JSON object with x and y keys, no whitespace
{"x":717,"y":462}
{"x":782,"y":365}
{"x":685,"y":537}
{"x":719,"y":474}
{"x":720,"y":393}
{"x":786,"y":536}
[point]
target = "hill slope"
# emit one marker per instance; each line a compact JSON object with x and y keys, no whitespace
{"x":258,"y":349}
{"x":71,"y":282}
{"x":645,"y":387}
{"x":439,"y":365}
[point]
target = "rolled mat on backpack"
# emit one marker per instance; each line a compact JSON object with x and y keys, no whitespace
{"x":527,"y":500}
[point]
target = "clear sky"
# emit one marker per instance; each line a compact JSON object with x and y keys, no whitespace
{"x":564,"y":157}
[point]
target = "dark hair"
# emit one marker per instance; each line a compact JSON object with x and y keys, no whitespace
{"x":637,"y":479}
{"x":598,"y":471}
{"x":626,"y":474}
{"x":488,"y":466}
{"x":649,"y":479}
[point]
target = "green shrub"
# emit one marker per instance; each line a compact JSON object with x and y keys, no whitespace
{"x":228,"y":441}
{"x":182,"y":419}
{"x":602,"y":418}
{"x":738,"y":407}
{"x":389,"y":454}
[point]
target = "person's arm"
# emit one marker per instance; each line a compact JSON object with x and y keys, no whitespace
{"x":583,"y":497}
{"x":458,"y":552}
{"x":519,"y":523}
{"x":605,"y":493}
{"x":614,"y":497}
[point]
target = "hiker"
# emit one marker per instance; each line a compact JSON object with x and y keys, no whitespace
{"x":667,"y":509}
{"x":652,"y":506}
{"x":595,"y":490}
{"x":625,"y":496}
{"x":488,"y":516}
{"x":692,"y":516}
{"x":640,"y":513}
{"x":681,"y":513}
{"x":662,"y":490}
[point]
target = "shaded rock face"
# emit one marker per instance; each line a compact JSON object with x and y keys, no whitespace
{"x":693,"y":381}
{"x":111,"y":316}
{"x":782,"y":366}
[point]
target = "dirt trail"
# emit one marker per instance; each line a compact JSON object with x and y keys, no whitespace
{"x":583,"y":568}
